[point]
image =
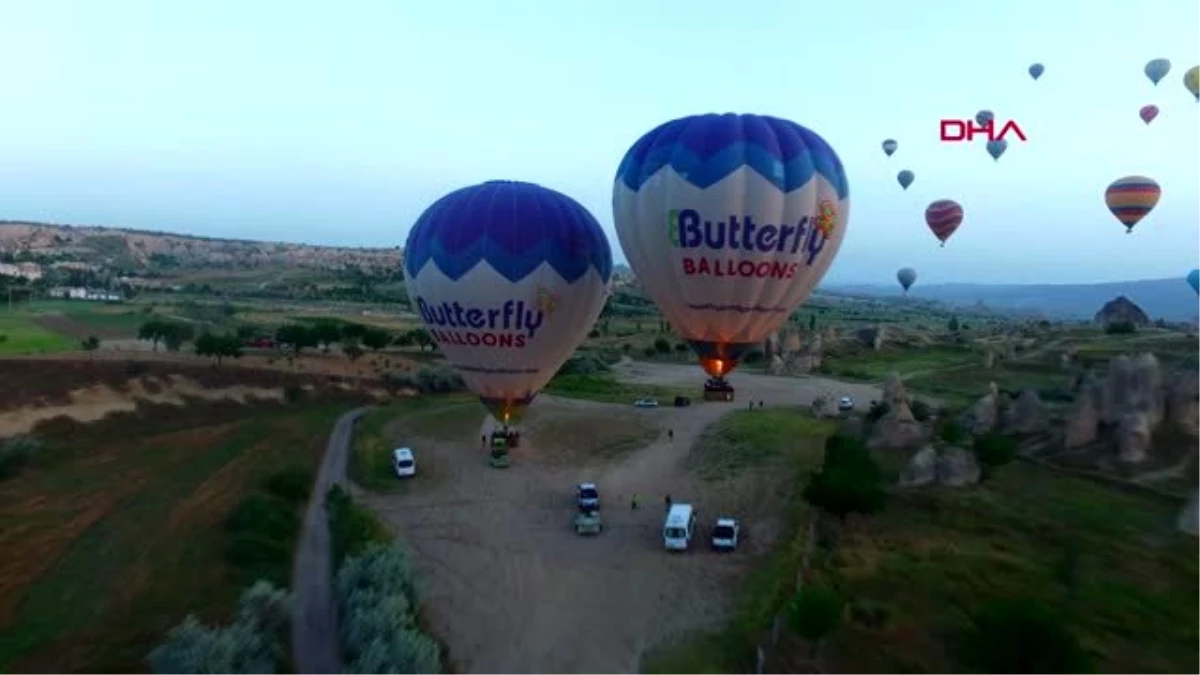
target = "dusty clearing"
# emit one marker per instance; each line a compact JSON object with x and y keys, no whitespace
{"x":511,"y":588}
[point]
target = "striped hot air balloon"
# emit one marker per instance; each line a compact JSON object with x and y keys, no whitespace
{"x":1131,"y":198}
{"x":943,"y":217}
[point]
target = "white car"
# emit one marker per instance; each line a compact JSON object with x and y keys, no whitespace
{"x":725,"y":534}
{"x":846,"y":403}
{"x":404,"y":463}
{"x":645,"y":403}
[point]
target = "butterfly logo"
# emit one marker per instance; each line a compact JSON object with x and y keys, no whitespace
{"x":826,"y":218}
{"x":547,"y":302}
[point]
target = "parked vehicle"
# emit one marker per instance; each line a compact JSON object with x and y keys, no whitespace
{"x":588,"y":522}
{"x":725,"y":534}
{"x":679,"y":527}
{"x":587,"y":497}
{"x":645,"y":403}
{"x":404,"y":463}
{"x":846,"y":403}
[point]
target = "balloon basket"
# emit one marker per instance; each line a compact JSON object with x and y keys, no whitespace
{"x":499,"y":460}
{"x":719,"y":391}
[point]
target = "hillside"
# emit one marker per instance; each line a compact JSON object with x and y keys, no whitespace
{"x":135,"y":250}
{"x":1169,"y":299}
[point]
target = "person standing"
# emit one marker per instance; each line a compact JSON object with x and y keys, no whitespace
{"x":633,"y":502}
{"x":671,"y":435}
{"x":667,"y":501}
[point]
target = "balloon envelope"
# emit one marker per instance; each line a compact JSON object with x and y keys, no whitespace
{"x":729,"y":221}
{"x":943,"y":217}
{"x":1148,"y":113}
{"x":1191,"y":80}
{"x":905,"y":178}
{"x":997,"y":148}
{"x":984,"y":116}
{"x":1193,"y":279}
{"x":906,"y":276}
{"x":1157,"y":69}
{"x":1036,"y":70}
{"x":508,"y":279}
{"x":889,"y":146}
{"x":1131,"y":198}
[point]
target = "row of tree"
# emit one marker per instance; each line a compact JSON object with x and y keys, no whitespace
{"x":294,"y":337}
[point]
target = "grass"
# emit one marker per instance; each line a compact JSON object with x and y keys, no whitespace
{"x":605,"y":388}
{"x":22,"y":336}
{"x":772,"y":438}
{"x":933,"y":556}
{"x":109,"y":539}
{"x":964,"y":386}
{"x":879,"y":365}
{"x":380,"y":430}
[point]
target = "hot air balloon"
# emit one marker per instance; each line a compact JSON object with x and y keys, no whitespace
{"x":943,"y":217}
{"x":906,"y":276}
{"x":997,"y":148}
{"x":1131,"y":198}
{"x":729,"y":221}
{"x":905,"y":178}
{"x":1036,"y":70}
{"x":1191,"y":80}
{"x":1193,"y":279}
{"x":1148,"y":113}
{"x":889,"y":146}
{"x":1157,"y":69}
{"x":984,"y":116}
{"x":508,"y":278}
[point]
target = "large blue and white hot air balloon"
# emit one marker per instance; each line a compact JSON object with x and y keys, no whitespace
{"x":1193,"y":279}
{"x":508,"y":278}
{"x":729,"y":221}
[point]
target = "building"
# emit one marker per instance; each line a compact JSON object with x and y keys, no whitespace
{"x":80,"y":293}
{"x":23,"y":270}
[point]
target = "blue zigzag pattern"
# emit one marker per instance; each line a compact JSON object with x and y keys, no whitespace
{"x":704,"y":149}
{"x":513,"y":227}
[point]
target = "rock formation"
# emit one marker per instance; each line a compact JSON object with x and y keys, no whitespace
{"x":1183,"y":403}
{"x":1027,"y":415}
{"x":1189,"y":517}
{"x":897,"y":428}
{"x":986,"y":412}
{"x":1083,"y":417}
{"x":1133,"y":437}
{"x":921,"y":469}
{"x":1121,"y":310}
{"x":951,"y":466}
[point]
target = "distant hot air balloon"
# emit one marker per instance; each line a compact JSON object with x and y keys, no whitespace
{"x":943,"y":217}
{"x":997,"y":148}
{"x":1036,"y":70}
{"x":1131,"y":198}
{"x":905,"y":178}
{"x":906,"y":276}
{"x":889,"y":146}
{"x":1157,"y":69}
{"x":729,"y":221}
{"x":1191,"y":80}
{"x":1193,"y":279}
{"x":1148,"y":113}
{"x":508,"y":279}
{"x":984,"y":116}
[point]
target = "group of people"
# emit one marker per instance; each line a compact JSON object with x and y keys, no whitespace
{"x":634,"y":502}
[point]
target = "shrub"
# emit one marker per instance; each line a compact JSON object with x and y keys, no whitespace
{"x":814,"y":612}
{"x":850,"y":481}
{"x":583,"y":364}
{"x":921,"y":410}
{"x":950,"y":432}
{"x":994,"y":450}
{"x":15,"y":453}
{"x":1120,"y":328}
{"x":877,"y":410}
{"x":293,"y":393}
{"x":264,"y":516}
{"x":662,"y":346}
{"x":755,"y":355}
{"x":428,"y":380}
{"x":1021,"y":636}
{"x":292,"y":484}
{"x":649,"y":352}
{"x":352,"y":528}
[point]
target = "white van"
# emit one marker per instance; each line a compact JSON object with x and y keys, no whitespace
{"x":404,"y":463}
{"x":679,"y":527}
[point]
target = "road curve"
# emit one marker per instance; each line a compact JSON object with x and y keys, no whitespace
{"x":314,"y":612}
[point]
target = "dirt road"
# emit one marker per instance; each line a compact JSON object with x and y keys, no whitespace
{"x":314,"y":613}
{"x":510,"y":586}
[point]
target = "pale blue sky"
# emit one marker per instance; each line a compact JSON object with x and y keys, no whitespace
{"x":340,"y":122}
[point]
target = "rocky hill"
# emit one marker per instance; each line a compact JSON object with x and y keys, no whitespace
{"x":137,"y":249}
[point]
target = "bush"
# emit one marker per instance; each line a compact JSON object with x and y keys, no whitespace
{"x":649,"y":352}
{"x":292,"y":484}
{"x":264,"y":516}
{"x":253,"y":643}
{"x":850,"y":481}
{"x":352,"y":528}
{"x":662,"y":346}
{"x":1120,"y":328}
{"x":877,"y":410}
{"x":752,"y":356}
{"x":1021,"y":636}
{"x":583,"y":364}
{"x":378,"y":602}
{"x":15,"y":453}
{"x":950,"y":432}
{"x":293,"y":393}
{"x":921,"y":410}
{"x":994,"y":450}
{"x":814,"y":612}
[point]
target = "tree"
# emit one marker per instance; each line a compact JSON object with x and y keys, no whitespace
{"x":376,"y":338}
{"x":296,"y":336}
{"x":351,"y":349}
{"x":813,"y":613}
{"x":952,"y":324}
{"x":175,"y":334}
{"x":90,"y":344}
{"x":421,"y":338}
{"x":404,"y":339}
{"x":353,"y":331}
{"x":1021,"y":636}
{"x":153,"y":331}
{"x":662,"y":346}
{"x":218,"y":347}
{"x":326,"y":333}
{"x":812,"y":321}
{"x":994,"y":450}
{"x":850,"y":481}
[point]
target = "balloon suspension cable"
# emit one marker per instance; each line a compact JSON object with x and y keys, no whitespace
{"x":942,"y":245}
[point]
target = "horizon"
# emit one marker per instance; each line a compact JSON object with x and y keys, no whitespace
{"x":126,"y":117}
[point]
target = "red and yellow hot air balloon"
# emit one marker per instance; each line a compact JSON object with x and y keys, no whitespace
{"x":943,"y":217}
{"x":1131,"y":198}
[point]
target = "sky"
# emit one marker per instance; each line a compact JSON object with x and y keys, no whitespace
{"x":339,"y":123}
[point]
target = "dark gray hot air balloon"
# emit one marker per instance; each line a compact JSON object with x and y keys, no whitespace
{"x":889,"y":146}
{"x":907,"y":276}
{"x":905,"y":178}
{"x":1036,"y":70}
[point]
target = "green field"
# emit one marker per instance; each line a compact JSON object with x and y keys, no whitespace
{"x":605,"y":388}
{"x":380,"y":429}
{"x":118,"y":530}
{"x":20,"y":335}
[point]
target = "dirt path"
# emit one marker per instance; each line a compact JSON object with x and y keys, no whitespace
{"x":314,"y":613}
{"x":509,"y":585}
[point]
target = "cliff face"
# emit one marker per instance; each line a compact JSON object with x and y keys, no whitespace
{"x":139,"y":249}
{"x":1121,"y":310}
